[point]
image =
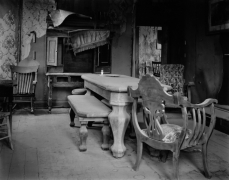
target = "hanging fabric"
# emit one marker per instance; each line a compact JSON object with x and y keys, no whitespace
{"x":88,"y":39}
{"x":58,"y":16}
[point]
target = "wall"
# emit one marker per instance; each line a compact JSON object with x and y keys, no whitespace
{"x":189,"y":42}
{"x":34,"y":20}
{"x":204,"y":58}
{"x":122,"y":51}
{"x":223,"y":94}
{"x":9,"y":18}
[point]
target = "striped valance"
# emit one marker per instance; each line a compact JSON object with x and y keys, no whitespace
{"x":88,"y":39}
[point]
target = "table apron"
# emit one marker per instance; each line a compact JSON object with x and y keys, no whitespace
{"x":114,"y":98}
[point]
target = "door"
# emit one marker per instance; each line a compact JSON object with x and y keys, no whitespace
{"x":52,"y":43}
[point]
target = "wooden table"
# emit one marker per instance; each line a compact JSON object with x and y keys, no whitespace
{"x":114,"y":89}
{"x":6,"y":90}
{"x":61,"y":80}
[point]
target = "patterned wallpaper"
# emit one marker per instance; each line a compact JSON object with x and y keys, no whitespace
{"x":8,"y":48}
{"x":34,"y":20}
{"x":149,"y":49}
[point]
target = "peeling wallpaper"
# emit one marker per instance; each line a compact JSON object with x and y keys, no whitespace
{"x":34,"y":19}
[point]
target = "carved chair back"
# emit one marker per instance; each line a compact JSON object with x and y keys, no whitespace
{"x":161,"y":135}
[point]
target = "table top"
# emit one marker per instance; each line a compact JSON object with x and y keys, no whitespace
{"x":112,"y":82}
{"x":115,"y":82}
{"x":64,"y":74}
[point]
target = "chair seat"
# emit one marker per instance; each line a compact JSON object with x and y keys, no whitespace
{"x":172,"y":131}
{"x":24,"y":95}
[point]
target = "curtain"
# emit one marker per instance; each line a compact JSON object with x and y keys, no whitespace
{"x":88,"y":39}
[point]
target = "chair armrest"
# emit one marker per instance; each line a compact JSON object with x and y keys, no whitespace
{"x":206,"y":102}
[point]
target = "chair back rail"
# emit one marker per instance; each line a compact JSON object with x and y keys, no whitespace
{"x":24,"y":83}
{"x":25,"y":77}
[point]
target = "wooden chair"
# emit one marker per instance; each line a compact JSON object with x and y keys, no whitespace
{"x":26,"y":79}
{"x":161,"y":135}
{"x":5,"y":130}
{"x":156,"y":68}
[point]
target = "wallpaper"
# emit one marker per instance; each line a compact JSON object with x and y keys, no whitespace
{"x":8,"y":46}
{"x":34,"y":20}
{"x":149,"y":49}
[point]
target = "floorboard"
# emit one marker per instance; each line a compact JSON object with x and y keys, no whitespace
{"x":46,"y":148}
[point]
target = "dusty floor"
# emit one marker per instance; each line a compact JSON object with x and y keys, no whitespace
{"x":46,"y":147}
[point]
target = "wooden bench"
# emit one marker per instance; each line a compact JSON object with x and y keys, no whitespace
{"x":88,"y":108}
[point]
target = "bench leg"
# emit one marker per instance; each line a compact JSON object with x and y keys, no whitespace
{"x":106,"y":135}
{"x":83,"y":136}
{"x":72,"y":117}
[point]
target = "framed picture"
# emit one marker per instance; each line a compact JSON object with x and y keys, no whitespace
{"x":218,"y":15}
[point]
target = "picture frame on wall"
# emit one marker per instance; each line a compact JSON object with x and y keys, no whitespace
{"x":218,"y":16}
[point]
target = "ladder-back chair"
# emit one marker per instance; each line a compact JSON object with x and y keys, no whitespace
{"x":161,"y":135}
{"x":5,"y":129}
{"x":26,"y":80}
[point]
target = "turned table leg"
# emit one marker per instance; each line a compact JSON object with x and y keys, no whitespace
{"x":119,"y":120}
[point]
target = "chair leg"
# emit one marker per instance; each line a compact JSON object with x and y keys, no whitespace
{"x":72,"y":117}
{"x":132,"y":133}
{"x":83,"y":136}
{"x":205,"y":161}
{"x":32,"y":104}
{"x":106,"y":135}
{"x":139,"y":154}
{"x":176,"y":163}
{"x":9,"y":133}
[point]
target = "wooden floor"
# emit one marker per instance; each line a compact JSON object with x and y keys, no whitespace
{"x":46,"y":148}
